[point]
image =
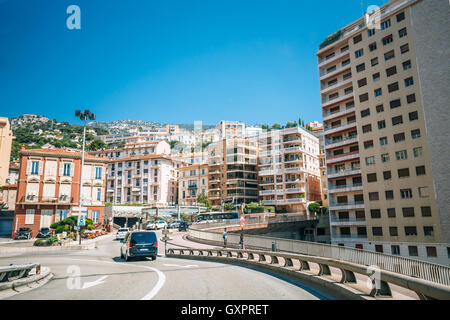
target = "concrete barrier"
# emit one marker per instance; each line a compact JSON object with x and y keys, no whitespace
{"x":17,"y":279}
{"x":381,"y":289}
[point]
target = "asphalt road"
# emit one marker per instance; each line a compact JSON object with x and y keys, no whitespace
{"x":100,"y":274}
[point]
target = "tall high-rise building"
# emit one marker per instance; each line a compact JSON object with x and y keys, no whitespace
{"x":385,"y":110}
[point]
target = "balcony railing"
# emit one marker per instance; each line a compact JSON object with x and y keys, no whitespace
{"x":355,"y":185}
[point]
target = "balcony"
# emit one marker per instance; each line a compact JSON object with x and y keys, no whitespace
{"x":336,"y":100}
{"x":332,"y":115}
{"x":343,"y":157}
{"x":342,"y":127}
{"x":330,"y":144}
{"x":337,"y":85}
{"x":33,"y":199}
{"x":266,"y":192}
{"x":284,"y":201}
{"x":348,"y":237}
{"x":325,"y":75}
{"x":270,"y":172}
{"x":345,"y":188}
{"x":346,"y":205}
{"x":325,"y":61}
{"x":348,"y":222}
{"x":295,"y":190}
{"x":342,"y":173}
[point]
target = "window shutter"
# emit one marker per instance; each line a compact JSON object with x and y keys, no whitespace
{"x":72,"y":169}
{"x":41,"y":166}
{"x":103,"y":173}
{"x":29,"y":163}
{"x":61,"y":168}
{"x":102,"y":195}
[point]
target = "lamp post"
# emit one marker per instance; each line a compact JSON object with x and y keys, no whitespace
{"x":83,"y":115}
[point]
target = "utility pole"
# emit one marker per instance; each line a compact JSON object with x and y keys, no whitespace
{"x":83,"y":115}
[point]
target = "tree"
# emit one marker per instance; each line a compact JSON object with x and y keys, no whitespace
{"x":203,"y":199}
{"x":314,"y":207}
{"x":96,"y":145}
{"x":276,"y":126}
{"x":290,"y":124}
{"x":229,"y":207}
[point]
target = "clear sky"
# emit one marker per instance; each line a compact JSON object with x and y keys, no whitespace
{"x":170,"y":61}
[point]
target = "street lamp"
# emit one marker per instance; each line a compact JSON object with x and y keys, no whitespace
{"x":83,"y":115}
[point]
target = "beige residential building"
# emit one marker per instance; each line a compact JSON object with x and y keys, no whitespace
{"x":289,"y":175}
{"x":192,"y":182}
{"x":6,"y":138}
{"x":385,"y":112}
{"x":233,"y":171}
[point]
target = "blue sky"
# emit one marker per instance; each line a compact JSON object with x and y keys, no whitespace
{"x":170,"y":61}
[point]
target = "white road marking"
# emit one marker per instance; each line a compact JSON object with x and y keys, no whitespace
{"x":156,"y":288}
{"x":94,"y":283}
{"x":176,"y":265}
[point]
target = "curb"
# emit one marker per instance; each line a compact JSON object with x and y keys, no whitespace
{"x":10,"y":289}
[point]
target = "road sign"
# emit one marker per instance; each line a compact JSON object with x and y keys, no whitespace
{"x":81,"y":222}
{"x":242,"y":222}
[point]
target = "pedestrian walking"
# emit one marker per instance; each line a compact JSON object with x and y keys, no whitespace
{"x":225,"y":236}
{"x":241,"y":240}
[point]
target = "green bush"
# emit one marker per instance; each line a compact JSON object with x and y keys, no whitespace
{"x":46,"y":242}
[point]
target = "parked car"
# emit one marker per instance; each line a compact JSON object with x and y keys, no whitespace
{"x":161,"y":224}
{"x":174,"y":225}
{"x":122,"y":233}
{"x":44,"y":233}
{"x":139,"y":244}
{"x":23,"y":234}
{"x":183,"y":226}
{"x":151,"y":226}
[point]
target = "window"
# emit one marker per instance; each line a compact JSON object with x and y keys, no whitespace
{"x":413,"y":116}
{"x":373,"y":46}
{"x":393,"y":87}
{"x":407,"y":65}
{"x":370,"y":32}
{"x":385,"y":158}
{"x":389,"y":55}
{"x":371,"y":177}
{"x":381,"y":124}
{"x":370,"y":161}
{"x":389,"y":194}
{"x":391,"y":212}
{"x":404,"y":48}
{"x":413,"y":252}
{"x":393,"y":232}
{"x":377,"y":231}
{"x":401,"y":155}
{"x":361,"y":67}
{"x":400,"y":17}
{"x":410,"y":231}
{"x":35,"y":167}
{"x":428,"y":231}
{"x":374,"y":196}
{"x":365,"y":113}
{"x":374,"y":62}
{"x":397,"y":120}
{"x":367,"y":128}
{"x":379,"y":248}
{"x":406,"y":193}
{"x":395,"y":103}
{"x":99,"y":192}
{"x":364,"y":97}
{"x":368,"y":144}
{"x":379,"y":108}
{"x":409,"y":82}
{"x":357,"y":39}
{"x":420,"y":171}
{"x":431,"y":252}
{"x":387,"y":175}
{"x":411,"y":98}
{"x":403,"y":173}
{"x":375,"y":213}
{"x":376,"y":77}
{"x":395,"y":249}
{"x":408,"y":212}
{"x":418,"y":152}
{"x":388,"y":39}
{"x":66,"y":170}
{"x":423,"y":192}
{"x":359,"y":53}
{"x":399,"y":137}
{"x":426,"y":211}
{"x":386,"y":24}
{"x":415,"y":134}
{"x":29,"y":216}
{"x":378,"y":92}
{"x":383,"y":141}
{"x":98,"y":173}
{"x":402,"y":33}
{"x":362,"y":82}
{"x":391,"y":71}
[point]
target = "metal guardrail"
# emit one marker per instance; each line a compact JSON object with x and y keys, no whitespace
{"x":401,"y":265}
{"x":424,"y":289}
{"x":15,"y":272}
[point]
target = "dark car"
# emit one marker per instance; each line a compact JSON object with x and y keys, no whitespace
{"x":23,"y":234}
{"x":44,"y":233}
{"x":183,"y":226}
{"x":139,"y":244}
